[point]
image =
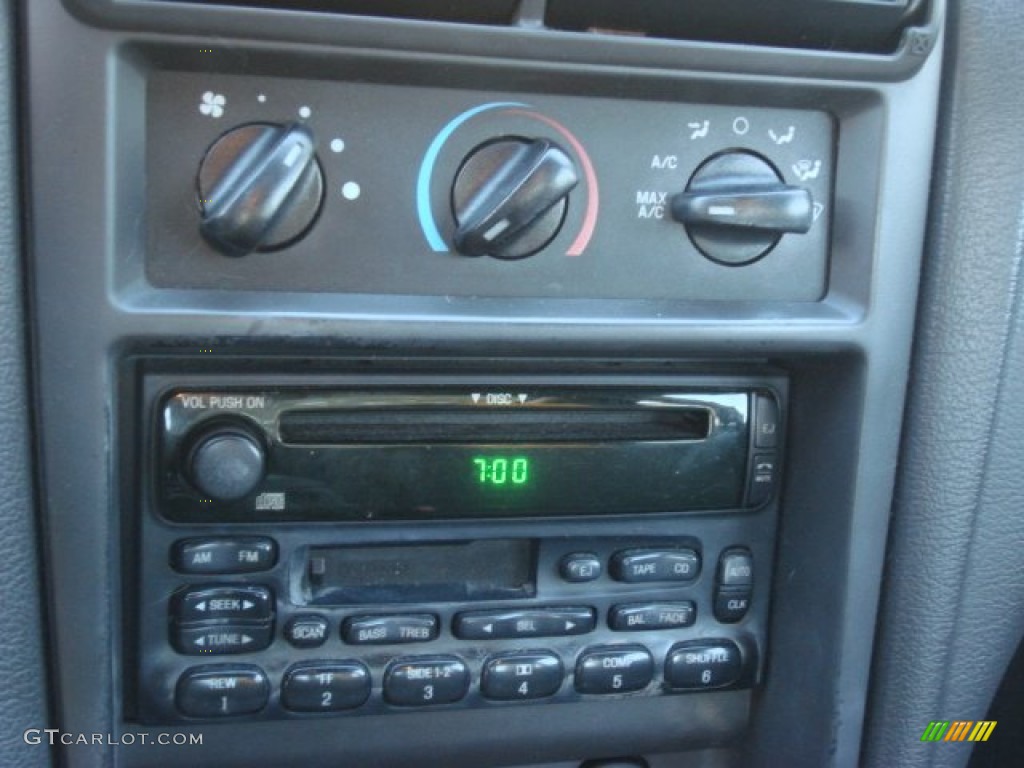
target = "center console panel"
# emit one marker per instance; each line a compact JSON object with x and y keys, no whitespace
{"x":455,"y":394}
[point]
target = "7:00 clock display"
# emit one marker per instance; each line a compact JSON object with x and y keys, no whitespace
{"x":513,"y":471}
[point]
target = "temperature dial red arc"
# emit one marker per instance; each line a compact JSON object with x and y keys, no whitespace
{"x":552,"y":158}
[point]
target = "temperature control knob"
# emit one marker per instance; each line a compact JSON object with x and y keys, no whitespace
{"x":510,"y":197}
{"x":736,"y":208}
{"x":260,"y":188}
{"x":226,"y":462}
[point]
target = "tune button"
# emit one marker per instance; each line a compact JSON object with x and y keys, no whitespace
{"x":222,"y":639}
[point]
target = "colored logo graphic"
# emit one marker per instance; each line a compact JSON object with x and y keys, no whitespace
{"x":424,"y":181}
{"x":958,"y":730}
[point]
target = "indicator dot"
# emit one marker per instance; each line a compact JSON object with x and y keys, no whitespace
{"x":262,"y":98}
{"x":337,"y":145}
{"x":351,"y":190}
{"x":305,"y":112}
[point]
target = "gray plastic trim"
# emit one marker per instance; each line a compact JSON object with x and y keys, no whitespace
{"x":527,"y":42}
{"x":847,"y":359}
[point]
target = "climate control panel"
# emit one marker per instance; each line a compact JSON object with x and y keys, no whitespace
{"x":271,"y":184}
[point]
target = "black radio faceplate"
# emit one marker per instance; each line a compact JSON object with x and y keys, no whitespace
{"x":244,"y":617}
{"x":247,"y":455}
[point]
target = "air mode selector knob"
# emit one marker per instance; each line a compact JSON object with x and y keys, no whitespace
{"x":736,"y":208}
{"x":226,"y":462}
{"x":510,"y":197}
{"x":260,"y":188}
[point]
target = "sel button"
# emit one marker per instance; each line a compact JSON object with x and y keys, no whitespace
{"x":221,"y":691}
{"x":541,"y":622}
{"x":424,"y":681}
{"x":614,"y":669}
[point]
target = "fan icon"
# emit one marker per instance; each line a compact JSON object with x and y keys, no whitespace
{"x":213,"y":104}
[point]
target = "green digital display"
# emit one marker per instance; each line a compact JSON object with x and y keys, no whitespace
{"x":502,"y":470}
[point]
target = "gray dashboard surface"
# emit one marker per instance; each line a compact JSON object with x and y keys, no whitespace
{"x":847,"y":356}
{"x":953,"y":612}
{"x":22,"y":639}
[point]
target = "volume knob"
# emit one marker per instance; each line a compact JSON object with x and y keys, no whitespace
{"x":260,"y":188}
{"x":226,"y":463}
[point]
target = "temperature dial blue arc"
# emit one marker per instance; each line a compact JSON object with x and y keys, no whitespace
{"x":423,"y":207}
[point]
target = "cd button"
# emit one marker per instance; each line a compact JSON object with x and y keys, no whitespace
{"x":547,"y":622}
{"x":521,"y":676}
{"x":426,"y":681}
{"x":614,"y":669}
{"x":638,"y":618}
{"x":325,"y":687}
{"x":386,"y":630}
{"x":644,"y":565}
{"x":229,"y":603}
{"x":216,"y":691}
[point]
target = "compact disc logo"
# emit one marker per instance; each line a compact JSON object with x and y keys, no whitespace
{"x":428,"y":220}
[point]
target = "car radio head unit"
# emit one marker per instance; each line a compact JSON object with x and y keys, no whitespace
{"x":359,"y":545}
{"x":449,"y":453}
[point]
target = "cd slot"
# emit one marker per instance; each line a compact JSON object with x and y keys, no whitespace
{"x":542,"y":425}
